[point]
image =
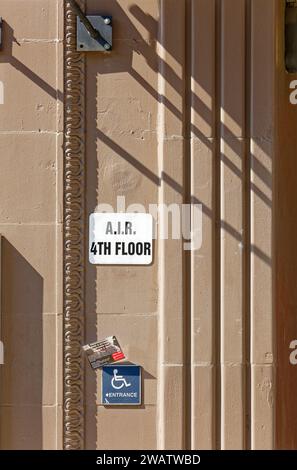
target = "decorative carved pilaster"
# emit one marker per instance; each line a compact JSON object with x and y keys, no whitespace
{"x":74,"y":182}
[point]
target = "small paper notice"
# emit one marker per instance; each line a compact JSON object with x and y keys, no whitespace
{"x":105,"y":351}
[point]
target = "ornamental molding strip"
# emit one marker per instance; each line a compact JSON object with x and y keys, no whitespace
{"x":74,"y":217}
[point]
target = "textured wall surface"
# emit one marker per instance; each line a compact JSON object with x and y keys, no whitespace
{"x":31,"y":141}
{"x":192,"y":105}
{"x":184,"y":110}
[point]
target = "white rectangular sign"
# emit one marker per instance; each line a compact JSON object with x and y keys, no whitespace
{"x":121,"y":238}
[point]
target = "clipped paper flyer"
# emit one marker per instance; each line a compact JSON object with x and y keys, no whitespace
{"x":103,"y":352}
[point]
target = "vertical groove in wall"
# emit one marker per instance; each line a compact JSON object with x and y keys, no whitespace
{"x":217,"y":218}
{"x":247,"y":241}
{"x":273,"y":217}
{"x":203,"y":308}
{"x":160,"y":133}
{"x":232,"y":158}
{"x":171,"y":192}
{"x":261,"y":204}
{"x":74,"y":161}
{"x":187,"y":200}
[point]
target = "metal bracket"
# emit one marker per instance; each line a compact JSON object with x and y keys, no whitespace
{"x":103,"y":43}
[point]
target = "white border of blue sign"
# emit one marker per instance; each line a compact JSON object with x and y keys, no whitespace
{"x":140,"y":385}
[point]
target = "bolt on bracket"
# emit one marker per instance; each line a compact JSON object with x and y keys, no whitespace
{"x":103,"y":42}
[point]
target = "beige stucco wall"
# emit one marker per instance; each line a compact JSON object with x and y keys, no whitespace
{"x":190,"y":106}
{"x":184,"y":110}
{"x":31,"y":140}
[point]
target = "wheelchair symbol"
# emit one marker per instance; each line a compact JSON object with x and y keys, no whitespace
{"x":118,"y":381}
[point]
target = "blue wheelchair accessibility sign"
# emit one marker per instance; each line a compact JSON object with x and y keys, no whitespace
{"x":121,"y":385}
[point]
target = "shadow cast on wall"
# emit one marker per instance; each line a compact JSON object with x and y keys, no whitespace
{"x":21,"y":378}
{"x":128,"y":41}
{"x":21,"y":285}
